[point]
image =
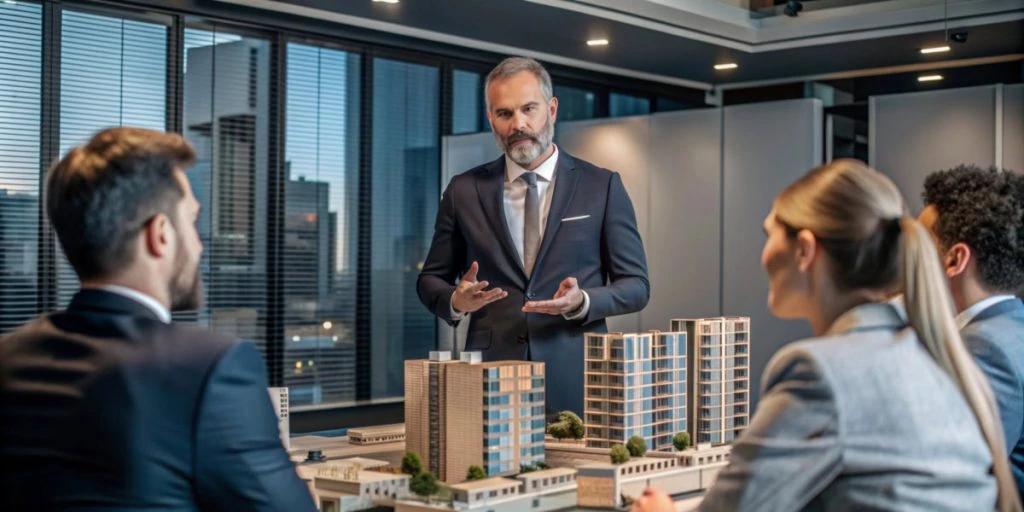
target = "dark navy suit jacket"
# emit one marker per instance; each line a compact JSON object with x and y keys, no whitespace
{"x":590,"y":234}
{"x":996,"y":339}
{"x":105,"y":407}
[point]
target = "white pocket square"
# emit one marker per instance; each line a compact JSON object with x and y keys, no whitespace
{"x":570,"y":219}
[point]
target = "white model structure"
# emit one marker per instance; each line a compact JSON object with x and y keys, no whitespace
{"x":279,"y":399}
{"x":537,"y":491}
{"x":383,"y":434}
{"x":719,"y":377}
{"x":634,"y":385}
{"x":351,"y":484}
{"x":607,"y":485}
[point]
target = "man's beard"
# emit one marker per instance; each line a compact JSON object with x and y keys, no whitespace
{"x":186,"y":290}
{"x":524,"y":154}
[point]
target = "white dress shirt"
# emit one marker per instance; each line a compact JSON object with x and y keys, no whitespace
{"x":965,"y":316}
{"x":515,"y":210}
{"x":141,"y":298}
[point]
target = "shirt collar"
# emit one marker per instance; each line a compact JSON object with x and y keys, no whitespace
{"x":964,"y":317}
{"x":141,"y":298}
{"x":545,"y":171}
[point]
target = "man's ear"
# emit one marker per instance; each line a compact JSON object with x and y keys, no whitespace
{"x":158,"y":234}
{"x":553,"y":108}
{"x":957,"y":259}
{"x":806,"y":249}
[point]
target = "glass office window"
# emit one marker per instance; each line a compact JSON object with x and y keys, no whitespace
{"x":226,"y":117}
{"x":320,"y":225}
{"x":663,"y":104}
{"x":113,"y":72}
{"x":574,"y":103}
{"x":21,"y":55}
{"x":406,"y":189}
{"x":627,"y":105}
{"x":469,"y":114}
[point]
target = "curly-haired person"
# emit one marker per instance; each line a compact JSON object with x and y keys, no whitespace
{"x":976,"y":216}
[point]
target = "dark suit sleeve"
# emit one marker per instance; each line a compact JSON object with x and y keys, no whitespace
{"x":1003,"y":380}
{"x":792,"y":449}
{"x":445,"y":261}
{"x":240,"y":461}
{"x":622,"y":259}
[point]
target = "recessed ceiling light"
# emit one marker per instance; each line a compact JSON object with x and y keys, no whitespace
{"x":386,"y":1}
{"x":597,"y":42}
{"x":929,"y":78}
{"x":935,"y":49}
{"x":727,"y":65}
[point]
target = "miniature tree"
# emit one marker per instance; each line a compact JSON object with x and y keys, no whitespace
{"x":567,"y":425}
{"x":558,"y":430}
{"x":681,"y":441}
{"x":637,"y":446}
{"x":424,"y":484}
{"x":527,"y":468}
{"x":476,"y":473}
{"x":412,"y":465}
{"x":619,"y":454}
{"x":542,"y":465}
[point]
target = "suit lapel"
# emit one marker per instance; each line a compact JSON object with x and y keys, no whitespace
{"x":997,"y":309}
{"x":491,"y":187}
{"x":565,"y":186}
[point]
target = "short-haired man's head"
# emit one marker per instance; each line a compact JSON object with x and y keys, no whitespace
{"x":984,"y":209}
{"x":511,"y":67}
{"x":100,"y":196}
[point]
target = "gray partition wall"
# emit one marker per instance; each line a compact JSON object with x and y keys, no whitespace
{"x":683,"y":240}
{"x":1013,"y":127}
{"x":766,"y":147}
{"x":912,"y":135}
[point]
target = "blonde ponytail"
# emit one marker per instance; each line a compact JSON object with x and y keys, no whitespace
{"x":930,"y":311}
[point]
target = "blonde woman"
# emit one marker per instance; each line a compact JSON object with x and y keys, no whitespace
{"x":872,"y":413}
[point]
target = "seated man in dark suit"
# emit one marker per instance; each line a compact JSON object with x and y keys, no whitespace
{"x":977,"y":218}
{"x":109,"y":405}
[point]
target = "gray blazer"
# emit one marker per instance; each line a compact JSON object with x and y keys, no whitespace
{"x":996,"y":339}
{"x":860,"y":419}
{"x":591,"y":235}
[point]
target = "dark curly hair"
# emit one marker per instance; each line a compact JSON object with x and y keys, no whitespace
{"x":983,"y":208}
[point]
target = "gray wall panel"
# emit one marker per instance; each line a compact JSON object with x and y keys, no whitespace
{"x":916,"y":134}
{"x":1013,"y":127}
{"x":766,"y":147}
{"x":684,"y":234}
{"x":621,"y":145}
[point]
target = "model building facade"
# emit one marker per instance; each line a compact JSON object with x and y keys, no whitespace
{"x":635,"y":385}
{"x":462,"y":413}
{"x":719,"y":371}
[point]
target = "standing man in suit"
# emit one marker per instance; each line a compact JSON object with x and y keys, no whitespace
{"x":976,"y":217}
{"x":546,"y":244}
{"x":109,"y":405}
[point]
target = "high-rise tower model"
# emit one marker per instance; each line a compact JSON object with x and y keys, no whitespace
{"x":462,"y":413}
{"x":719,"y":377}
{"x":279,"y":399}
{"x":635,"y":385}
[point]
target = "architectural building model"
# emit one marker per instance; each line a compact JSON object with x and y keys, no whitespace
{"x":462,"y":413}
{"x":634,"y":385}
{"x":279,"y":399}
{"x":606,"y":485}
{"x":352,"y":484}
{"x":366,"y":436}
{"x":719,"y":377}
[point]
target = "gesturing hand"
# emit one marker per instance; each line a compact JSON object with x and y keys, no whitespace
{"x":567,"y":299}
{"x":653,"y":500}
{"x":470,"y":295}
